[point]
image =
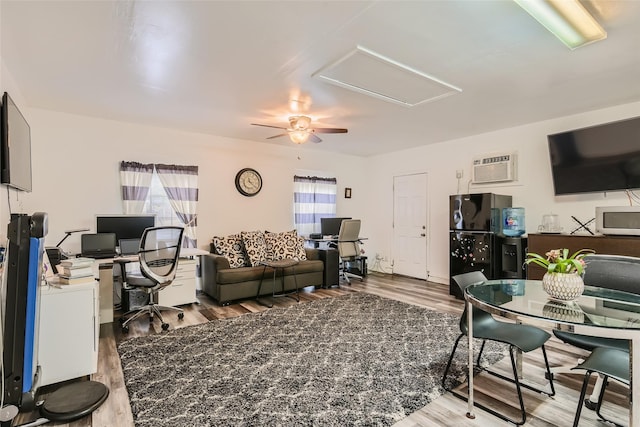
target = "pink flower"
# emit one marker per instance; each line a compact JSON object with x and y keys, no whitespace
{"x":553,"y":255}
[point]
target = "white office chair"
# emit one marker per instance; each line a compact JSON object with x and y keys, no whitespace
{"x":349,"y":247}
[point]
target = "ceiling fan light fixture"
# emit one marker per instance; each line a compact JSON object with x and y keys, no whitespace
{"x":300,"y":122}
{"x":568,"y":20}
{"x":299,"y":136}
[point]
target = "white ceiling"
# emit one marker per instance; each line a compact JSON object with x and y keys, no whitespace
{"x":217,"y":66}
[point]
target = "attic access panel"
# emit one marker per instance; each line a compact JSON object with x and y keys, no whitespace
{"x":373,"y":74}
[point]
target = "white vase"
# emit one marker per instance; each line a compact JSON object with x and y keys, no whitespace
{"x":563,"y":286}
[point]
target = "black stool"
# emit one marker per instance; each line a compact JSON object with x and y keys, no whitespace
{"x":608,"y":362}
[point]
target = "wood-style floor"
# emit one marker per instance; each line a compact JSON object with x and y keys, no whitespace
{"x":447,"y":410}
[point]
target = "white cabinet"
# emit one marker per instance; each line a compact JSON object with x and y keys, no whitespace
{"x":69,"y":332}
{"x":183,"y":288}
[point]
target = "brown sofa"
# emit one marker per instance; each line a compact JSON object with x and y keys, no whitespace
{"x":226,"y":284}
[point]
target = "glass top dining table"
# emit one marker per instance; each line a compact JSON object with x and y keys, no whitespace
{"x":597,"y":312}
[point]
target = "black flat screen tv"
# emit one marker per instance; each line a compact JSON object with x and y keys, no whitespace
{"x":598,"y":158}
{"x":15,"y":147}
{"x":124,"y":226}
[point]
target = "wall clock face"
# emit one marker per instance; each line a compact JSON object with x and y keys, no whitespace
{"x":248,"y":182}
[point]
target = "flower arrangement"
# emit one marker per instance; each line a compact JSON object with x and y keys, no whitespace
{"x":559,"y":261}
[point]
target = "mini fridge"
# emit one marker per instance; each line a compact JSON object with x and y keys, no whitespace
{"x":474,"y":235}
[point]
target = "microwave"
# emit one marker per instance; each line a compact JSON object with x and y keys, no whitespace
{"x":623,"y":220}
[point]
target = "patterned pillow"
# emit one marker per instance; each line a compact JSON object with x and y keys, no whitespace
{"x":255,"y":245}
{"x":285,"y":245}
{"x":232,"y":248}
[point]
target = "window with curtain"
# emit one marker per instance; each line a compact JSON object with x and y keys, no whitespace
{"x":168,"y":191}
{"x":313,"y":198}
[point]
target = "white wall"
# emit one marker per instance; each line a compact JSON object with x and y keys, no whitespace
{"x":75,"y":174}
{"x":533,"y":190}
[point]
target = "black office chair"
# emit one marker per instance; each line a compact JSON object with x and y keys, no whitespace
{"x":517,"y":336}
{"x":606,"y":271}
{"x":608,"y":363}
{"x":349,"y":248}
{"x":159,"y":252}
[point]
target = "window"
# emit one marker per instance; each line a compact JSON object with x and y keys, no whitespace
{"x":158,"y":204}
{"x":314,"y":198}
{"x":169,"y":191}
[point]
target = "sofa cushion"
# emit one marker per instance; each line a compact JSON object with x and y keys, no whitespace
{"x":285,"y":245}
{"x":232,"y":248}
{"x":255,"y":246}
{"x":246,"y":274}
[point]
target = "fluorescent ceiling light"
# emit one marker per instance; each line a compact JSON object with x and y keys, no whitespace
{"x":568,"y":20}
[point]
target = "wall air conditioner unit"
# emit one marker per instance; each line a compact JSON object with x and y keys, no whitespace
{"x":498,"y":168}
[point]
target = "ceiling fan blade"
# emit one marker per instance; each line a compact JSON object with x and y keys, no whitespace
{"x":330,"y":130}
{"x":278,"y":136}
{"x":314,"y":138}
{"x":269,"y":126}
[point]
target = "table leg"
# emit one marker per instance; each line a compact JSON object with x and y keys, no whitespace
{"x":264,"y":268}
{"x":470,"y":413}
{"x":295,"y":280}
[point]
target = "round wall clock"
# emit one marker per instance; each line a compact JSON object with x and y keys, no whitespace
{"x":248,"y":182}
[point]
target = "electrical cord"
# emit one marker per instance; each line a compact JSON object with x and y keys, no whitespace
{"x":632,"y":197}
{"x":9,"y":202}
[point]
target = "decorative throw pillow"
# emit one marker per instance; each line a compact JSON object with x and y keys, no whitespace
{"x":285,"y":245}
{"x":232,"y":248}
{"x":255,"y":245}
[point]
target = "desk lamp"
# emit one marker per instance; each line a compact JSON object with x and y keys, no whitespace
{"x":56,"y":254}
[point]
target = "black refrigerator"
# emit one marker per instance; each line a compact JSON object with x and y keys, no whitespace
{"x":475,"y":224}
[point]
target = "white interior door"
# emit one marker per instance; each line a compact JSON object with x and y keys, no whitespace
{"x":410,"y":225}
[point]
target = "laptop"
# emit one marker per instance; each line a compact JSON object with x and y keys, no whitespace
{"x":98,"y":245}
{"x":129,"y":246}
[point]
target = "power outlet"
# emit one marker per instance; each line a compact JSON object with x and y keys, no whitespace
{"x":459,"y":173}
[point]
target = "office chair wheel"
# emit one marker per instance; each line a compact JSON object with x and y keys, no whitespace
{"x":125,"y":329}
{"x":165,"y":326}
{"x":180,"y":316}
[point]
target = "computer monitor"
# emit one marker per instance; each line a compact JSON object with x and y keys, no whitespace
{"x":129,"y":246}
{"x":124,"y":226}
{"x":331,"y":226}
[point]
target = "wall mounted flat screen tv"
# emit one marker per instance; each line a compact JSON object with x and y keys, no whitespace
{"x":15,"y":147}
{"x":124,"y":226}
{"x":597,"y":158}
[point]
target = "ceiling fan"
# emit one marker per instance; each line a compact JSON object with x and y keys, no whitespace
{"x":299,"y":130}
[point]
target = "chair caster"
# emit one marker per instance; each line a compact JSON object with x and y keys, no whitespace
{"x":180,"y":316}
{"x":125,"y":329}
{"x":165,"y":326}
{"x":590,"y":405}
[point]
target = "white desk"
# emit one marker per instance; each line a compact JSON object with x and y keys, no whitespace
{"x":69,"y":332}
{"x":181,"y":291}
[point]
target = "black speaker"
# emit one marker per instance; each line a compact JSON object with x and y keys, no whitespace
{"x":331,"y":274}
{"x":133,"y":299}
{"x":513,"y":250}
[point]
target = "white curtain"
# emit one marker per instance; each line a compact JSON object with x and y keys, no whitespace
{"x":135,"y":180}
{"x":181,"y":185}
{"x":314,"y":198}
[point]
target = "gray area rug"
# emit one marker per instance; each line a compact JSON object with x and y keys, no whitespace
{"x":352,"y":360}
